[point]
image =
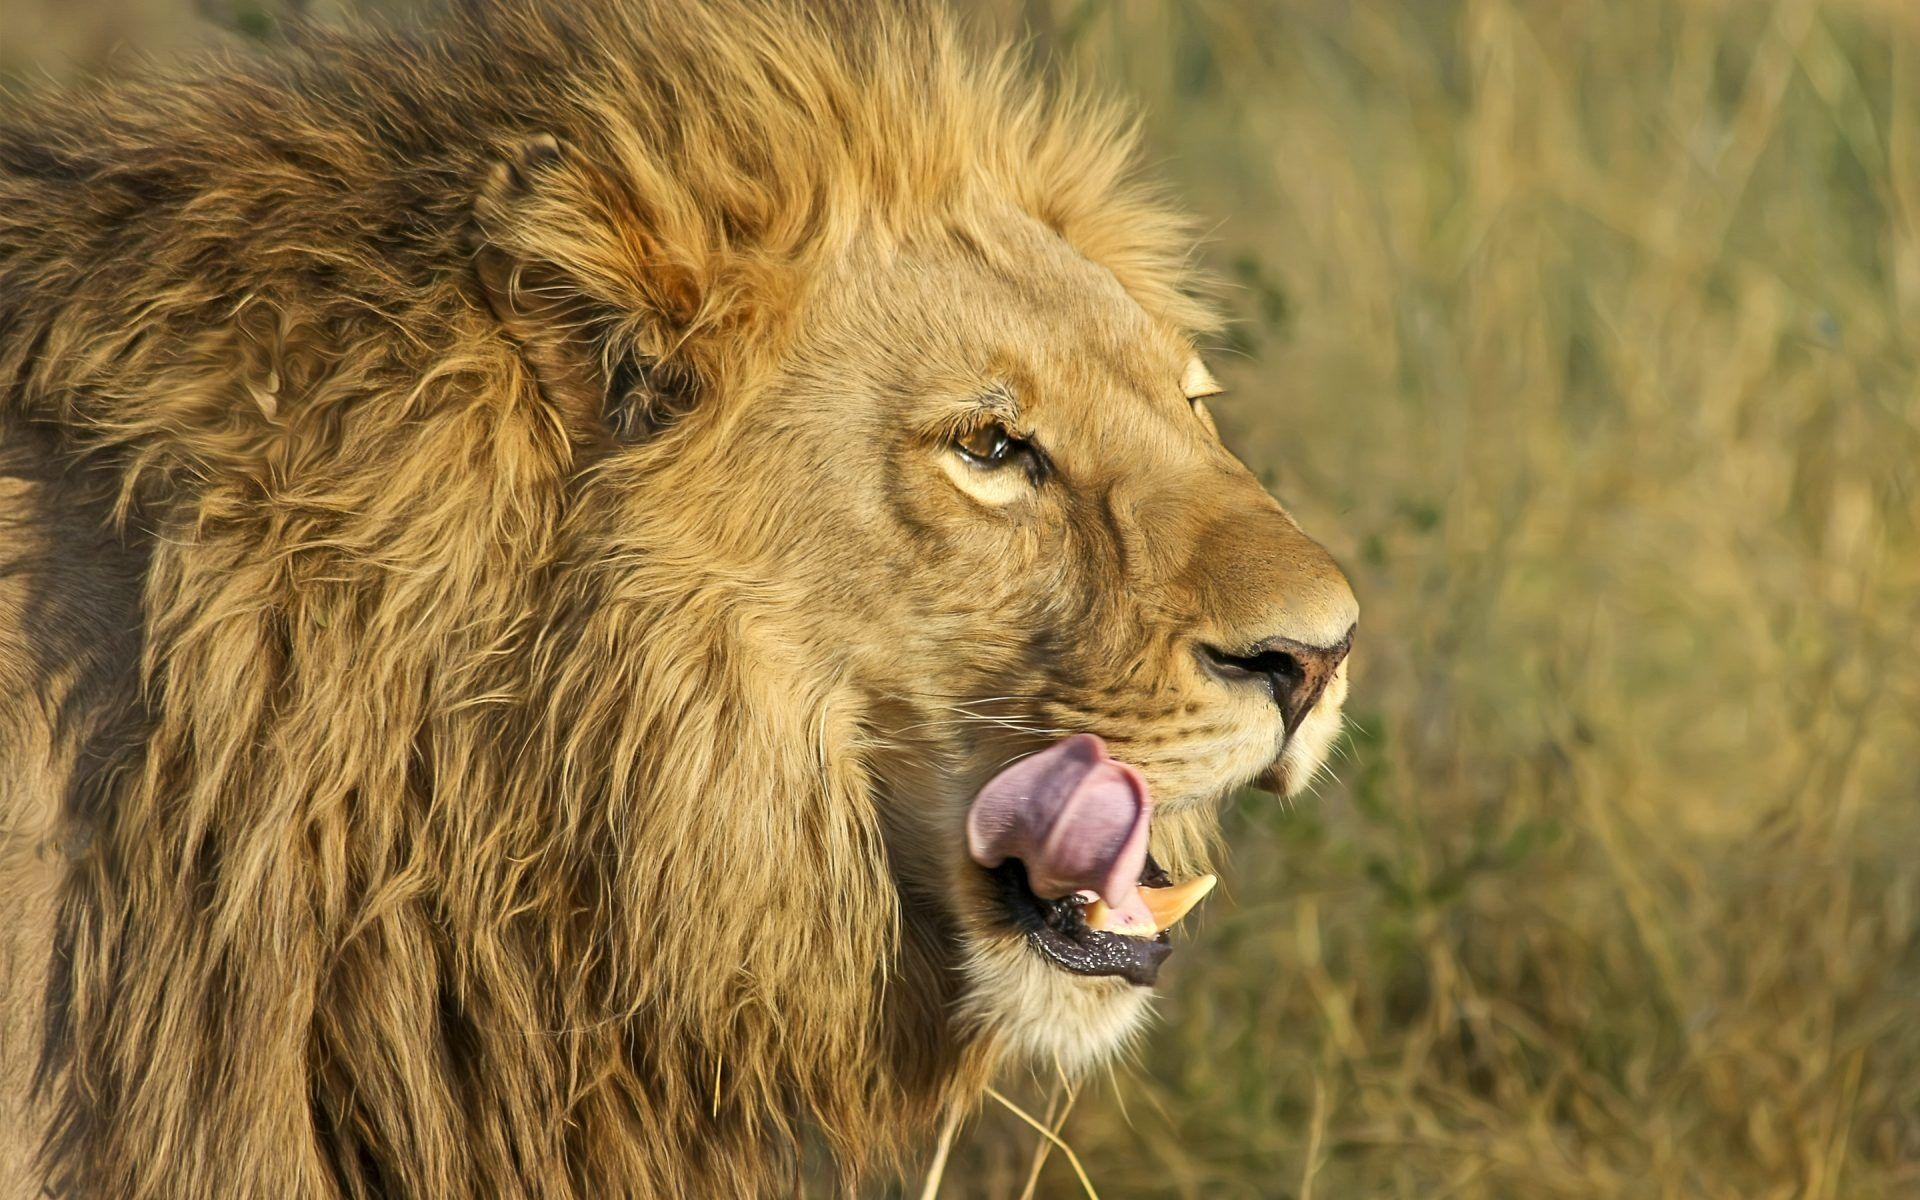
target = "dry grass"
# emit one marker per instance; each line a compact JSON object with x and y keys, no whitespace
{"x":1585,"y":334}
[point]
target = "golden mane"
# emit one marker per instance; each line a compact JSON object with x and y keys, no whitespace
{"x":445,"y":851}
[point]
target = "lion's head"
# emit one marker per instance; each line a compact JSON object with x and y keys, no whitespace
{"x":1010,"y":519}
{"x":962,"y":462}
{"x":702,"y":447}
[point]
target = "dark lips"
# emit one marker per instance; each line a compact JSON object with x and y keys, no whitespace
{"x":1058,"y":929}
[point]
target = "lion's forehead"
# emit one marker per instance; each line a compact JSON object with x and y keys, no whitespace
{"x":1039,"y":317}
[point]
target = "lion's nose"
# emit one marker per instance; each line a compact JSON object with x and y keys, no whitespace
{"x":1293,"y":672}
{"x":1275,"y":611}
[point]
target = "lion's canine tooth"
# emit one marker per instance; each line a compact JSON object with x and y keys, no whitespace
{"x":1104,"y":918}
{"x":1169,"y":904}
{"x":1166,"y":904}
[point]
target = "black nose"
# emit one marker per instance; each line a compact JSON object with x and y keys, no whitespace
{"x":1293,"y":672}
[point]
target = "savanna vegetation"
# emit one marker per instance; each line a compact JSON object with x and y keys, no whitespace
{"x":1586,"y":335}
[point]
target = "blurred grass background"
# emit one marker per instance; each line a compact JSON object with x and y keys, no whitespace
{"x":1585,"y":334}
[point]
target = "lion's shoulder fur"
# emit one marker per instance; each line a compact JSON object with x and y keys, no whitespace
{"x":376,"y":857}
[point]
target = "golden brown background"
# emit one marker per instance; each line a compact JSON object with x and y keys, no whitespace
{"x":1585,"y":334}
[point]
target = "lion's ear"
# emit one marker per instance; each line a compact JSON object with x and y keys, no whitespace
{"x":598,"y":357}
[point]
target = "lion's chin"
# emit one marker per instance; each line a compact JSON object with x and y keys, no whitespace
{"x":1051,"y":1017}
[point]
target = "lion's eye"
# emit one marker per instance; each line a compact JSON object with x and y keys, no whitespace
{"x":991,"y":446}
{"x":990,"y":462}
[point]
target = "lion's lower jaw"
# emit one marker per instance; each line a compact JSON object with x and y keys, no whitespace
{"x":1046,"y":1016}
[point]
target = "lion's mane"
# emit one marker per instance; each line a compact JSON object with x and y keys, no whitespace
{"x":456,"y":834}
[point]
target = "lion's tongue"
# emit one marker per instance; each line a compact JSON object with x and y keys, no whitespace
{"x":1076,"y":819}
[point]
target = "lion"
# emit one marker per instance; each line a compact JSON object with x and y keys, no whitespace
{"x":580,"y":587}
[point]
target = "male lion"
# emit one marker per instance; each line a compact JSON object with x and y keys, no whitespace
{"x":525,"y":551}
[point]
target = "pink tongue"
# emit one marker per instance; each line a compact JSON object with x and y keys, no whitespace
{"x":1074,"y":817}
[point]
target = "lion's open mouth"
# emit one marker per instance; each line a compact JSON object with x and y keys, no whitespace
{"x":1063,"y":835}
{"x":1058,"y":929}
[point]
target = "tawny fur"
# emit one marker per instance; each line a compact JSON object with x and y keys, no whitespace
{"x":453,"y":789}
